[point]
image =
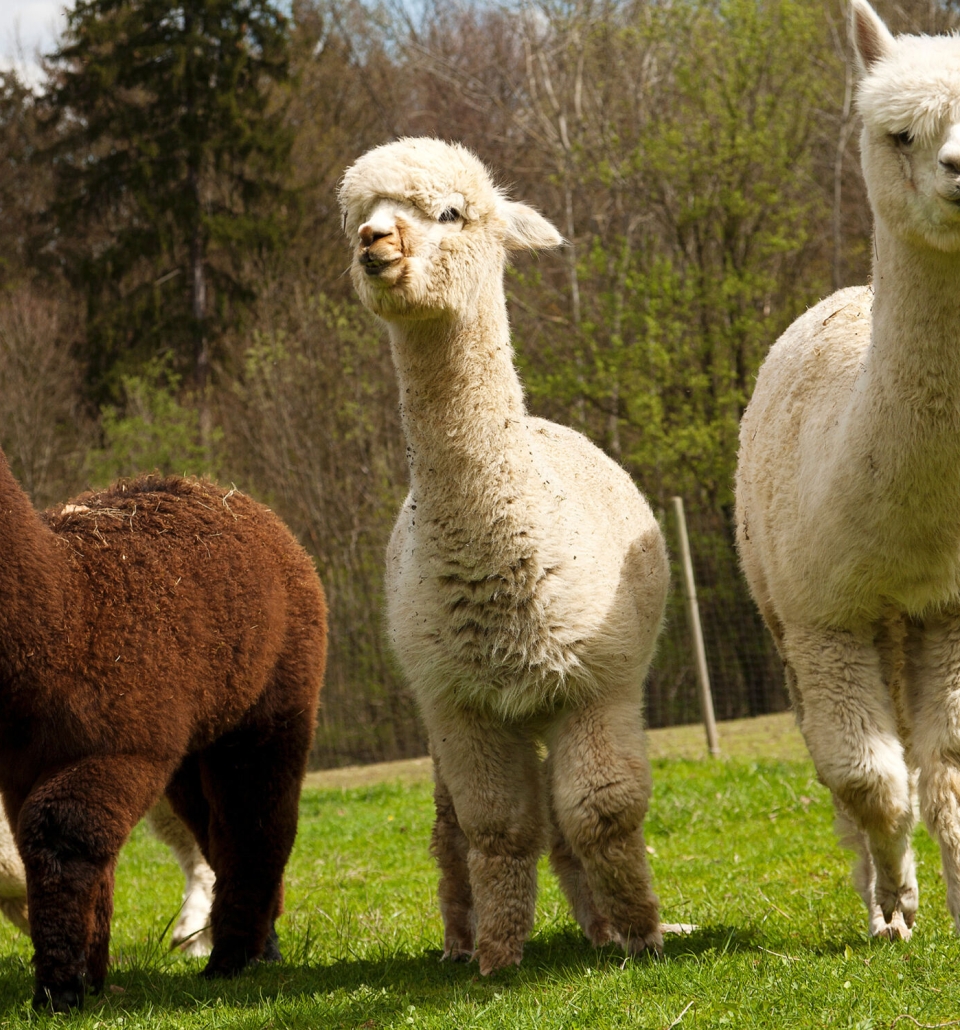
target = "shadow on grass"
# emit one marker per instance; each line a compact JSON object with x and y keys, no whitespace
{"x":355,"y":990}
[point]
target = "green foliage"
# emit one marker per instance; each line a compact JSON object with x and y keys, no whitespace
{"x":685,"y":283}
{"x":744,"y":849}
{"x":169,"y":159}
{"x":154,"y":428}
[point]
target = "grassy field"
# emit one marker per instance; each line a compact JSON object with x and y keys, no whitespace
{"x":742,"y":847}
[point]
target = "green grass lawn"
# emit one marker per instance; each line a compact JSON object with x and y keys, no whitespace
{"x":742,"y":847}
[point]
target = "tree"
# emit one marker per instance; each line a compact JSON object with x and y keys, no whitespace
{"x":169,"y":171}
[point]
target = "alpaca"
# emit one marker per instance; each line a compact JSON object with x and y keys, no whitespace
{"x":526,"y":576}
{"x":191,"y":933}
{"x":161,"y":636}
{"x":848,"y":490}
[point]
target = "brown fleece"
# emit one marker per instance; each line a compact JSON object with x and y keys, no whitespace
{"x":164,"y":635}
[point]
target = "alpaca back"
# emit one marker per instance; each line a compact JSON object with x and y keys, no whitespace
{"x":148,"y":658}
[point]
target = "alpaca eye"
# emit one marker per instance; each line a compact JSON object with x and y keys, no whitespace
{"x":450,"y":215}
{"x":905,"y":138}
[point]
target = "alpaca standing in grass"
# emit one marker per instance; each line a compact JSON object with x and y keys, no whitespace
{"x":526,"y":576}
{"x":191,"y":932}
{"x":162,"y":636}
{"x":848,"y":489}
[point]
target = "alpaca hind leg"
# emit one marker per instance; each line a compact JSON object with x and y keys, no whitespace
{"x":850,"y":727}
{"x":494,"y":778}
{"x":191,"y":934}
{"x":449,"y":847}
{"x":13,"y":878}
{"x":573,"y":879}
{"x":600,"y":792}
{"x":252,"y":787}
{"x":70,"y":829}
{"x":933,"y":707}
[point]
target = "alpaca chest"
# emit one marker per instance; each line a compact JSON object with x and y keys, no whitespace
{"x":516,"y":641}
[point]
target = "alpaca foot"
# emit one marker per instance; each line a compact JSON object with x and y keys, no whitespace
{"x":271,"y":950}
{"x":226,"y":963}
{"x":679,"y":928}
{"x":494,"y":956}
{"x":457,"y":949}
{"x":60,"y":998}
{"x":638,"y":944}
{"x":896,"y":930}
{"x":599,"y":932}
{"x":197,"y":944}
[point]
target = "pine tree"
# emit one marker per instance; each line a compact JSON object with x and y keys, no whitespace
{"x":170,"y":165}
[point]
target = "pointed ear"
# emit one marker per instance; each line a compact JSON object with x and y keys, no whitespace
{"x":872,"y":39}
{"x":527,"y":229}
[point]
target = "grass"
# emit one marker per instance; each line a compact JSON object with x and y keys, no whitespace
{"x":742,"y":847}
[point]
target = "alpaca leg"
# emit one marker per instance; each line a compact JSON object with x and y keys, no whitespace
{"x":493,"y":775}
{"x":98,"y":950}
{"x":252,"y":787}
{"x":933,"y":705}
{"x":600,"y":792}
{"x":573,"y":878}
{"x":13,"y":878}
{"x":849,"y":724}
{"x":70,"y":830}
{"x":449,"y":847}
{"x":865,"y":874}
{"x":192,"y":931}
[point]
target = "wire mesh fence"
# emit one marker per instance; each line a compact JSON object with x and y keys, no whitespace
{"x":746,"y":675}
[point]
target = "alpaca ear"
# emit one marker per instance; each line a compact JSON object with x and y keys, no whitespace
{"x":871,"y":38}
{"x":527,"y":229}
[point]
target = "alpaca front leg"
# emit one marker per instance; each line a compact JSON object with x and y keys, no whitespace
{"x":449,"y":847}
{"x":69,"y":831}
{"x":933,"y":705}
{"x":600,"y":792}
{"x":850,"y":728}
{"x":493,"y":775}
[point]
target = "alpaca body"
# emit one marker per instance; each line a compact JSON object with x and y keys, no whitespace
{"x":519,"y":610}
{"x":164,"y":635}
{"x":848,"y":490}
{"x":191,"y":932}
{"x":526,"y":576}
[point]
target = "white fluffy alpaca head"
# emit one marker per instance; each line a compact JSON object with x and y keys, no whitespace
{"x":909,"y":98}
{"x":430,"y":227}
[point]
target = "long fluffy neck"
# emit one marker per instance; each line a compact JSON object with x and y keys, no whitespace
{"x":896,"y":463}
{"x":463,"y":415}
{"x":33,"y":580}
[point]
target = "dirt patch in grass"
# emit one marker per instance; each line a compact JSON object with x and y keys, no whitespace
{"x":766,"y":736}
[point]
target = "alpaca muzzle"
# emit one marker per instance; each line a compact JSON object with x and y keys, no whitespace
{"x":379,"y":249}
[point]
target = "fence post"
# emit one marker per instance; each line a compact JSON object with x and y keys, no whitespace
{"x":693,"y":619}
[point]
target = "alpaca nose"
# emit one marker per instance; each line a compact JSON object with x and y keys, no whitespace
{"x":949,"y":155}
{"x":369,"y":234}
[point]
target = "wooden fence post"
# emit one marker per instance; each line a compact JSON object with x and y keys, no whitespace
{"x":696,"y":632}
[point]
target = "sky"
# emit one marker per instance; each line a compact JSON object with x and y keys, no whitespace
{"x":25,"y":27}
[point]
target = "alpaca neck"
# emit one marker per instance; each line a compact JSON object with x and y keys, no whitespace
{"x":894,"y":465}
{"x":908,"y":395}
{"x":463,"y":416}
{"x":32,"y":580}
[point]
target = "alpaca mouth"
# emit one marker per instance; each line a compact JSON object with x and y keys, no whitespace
{"x":375,"y":266}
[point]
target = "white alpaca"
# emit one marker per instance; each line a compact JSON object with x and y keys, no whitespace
{"x":526,"y":576}
{"x":848,"y":489}
{"x":191,"y":933}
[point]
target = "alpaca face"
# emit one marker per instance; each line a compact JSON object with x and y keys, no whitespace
{"x":430,"y":230}
{"x":909,"y":98}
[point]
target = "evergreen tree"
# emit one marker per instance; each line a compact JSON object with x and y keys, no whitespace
{"x":170,"y":163}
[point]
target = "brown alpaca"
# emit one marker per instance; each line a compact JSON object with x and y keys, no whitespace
{"x":164,"y":635}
